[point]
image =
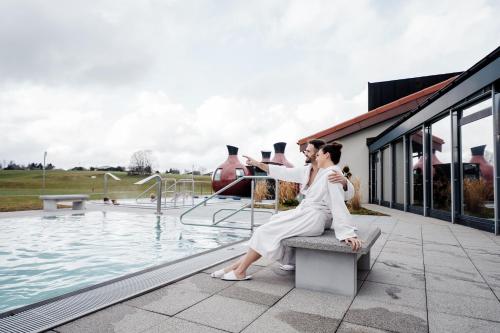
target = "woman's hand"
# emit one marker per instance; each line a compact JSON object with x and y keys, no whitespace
{"x":354,"y":242}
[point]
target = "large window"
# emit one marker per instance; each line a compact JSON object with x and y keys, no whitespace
{"x":399,"y":169}
{"x":377,"y":188}
{"x":417,"y":169}
{"x":477,"y":161}
{"x":441,"y":164}
{"x":387,"y":175}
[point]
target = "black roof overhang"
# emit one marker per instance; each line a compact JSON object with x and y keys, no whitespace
{"x":482,"y":74}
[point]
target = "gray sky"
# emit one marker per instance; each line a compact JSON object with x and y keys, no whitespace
{"x":93,"y":81}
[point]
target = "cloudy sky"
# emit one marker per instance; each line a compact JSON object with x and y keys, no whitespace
{"x":93,"y":81}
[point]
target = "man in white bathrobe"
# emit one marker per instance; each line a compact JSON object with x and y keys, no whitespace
{"x":304,"y":176}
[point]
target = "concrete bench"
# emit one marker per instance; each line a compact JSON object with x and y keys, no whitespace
{"x":323,"y":263}
{"x":50,"y":201}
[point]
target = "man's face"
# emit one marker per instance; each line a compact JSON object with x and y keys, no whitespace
{"x":310,"y":153}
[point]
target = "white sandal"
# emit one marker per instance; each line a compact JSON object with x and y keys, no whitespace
{"x":231,"y":276}
{"x":218,"y":274}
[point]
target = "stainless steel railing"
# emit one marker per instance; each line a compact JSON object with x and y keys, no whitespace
{"x":245,"y":206}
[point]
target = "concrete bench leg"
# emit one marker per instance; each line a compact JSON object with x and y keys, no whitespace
{"x":331,"y":272}
{"x":49,"y":205}
{"x":364,"y":262}
{"x":78,"y":205}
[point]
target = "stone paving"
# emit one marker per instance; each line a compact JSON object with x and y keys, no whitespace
{"x":426,"y":276}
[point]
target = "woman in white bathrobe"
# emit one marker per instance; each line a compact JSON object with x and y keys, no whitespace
{"x":323,"y":208}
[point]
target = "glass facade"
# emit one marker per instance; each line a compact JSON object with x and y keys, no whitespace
{"x":417,"y":169}
{"x":441,"y":164}
{"x":445,"y":167}
{"x":476,"y":127}
{"x":399,"y":170}
{"x":386,"y":176}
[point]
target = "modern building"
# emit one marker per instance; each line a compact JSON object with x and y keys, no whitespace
{"x":435,"y":152}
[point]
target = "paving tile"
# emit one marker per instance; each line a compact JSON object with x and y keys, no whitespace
{"x":223,"y":313}
{"x":386,"y":316}
{"x":412,"y":261}
{"x":280,"y":320}
{"x":169,"y":300}
{"x":256,"y":291}
{"x":116,"y":319}
{"x":276,"y":276}
{"x":465,"y":273}
{"x":397,"y":295}
{"x":251,"y":270}
{"x":398,"y":277}
{"x":448,"y":261}
{"x":362,"y":274}
{"x":445,"y":323}
{"x":174,"y":325}
{"x":399,"y":265}
{"x":456,"y":286}
{"x":203,"y":283}
{"x":475,"y":307}
{"x":492,"y":278}
{"x":346,"y":327}
{"x":314,"y":302}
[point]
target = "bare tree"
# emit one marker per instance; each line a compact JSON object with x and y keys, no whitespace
{"x":141,"y":162}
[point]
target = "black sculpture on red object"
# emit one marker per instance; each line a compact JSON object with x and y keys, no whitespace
{"x":228,"y":172}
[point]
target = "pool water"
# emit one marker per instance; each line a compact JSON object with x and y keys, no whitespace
{"x":44,"y":257}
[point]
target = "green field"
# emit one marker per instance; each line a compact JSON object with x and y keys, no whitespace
{"x":19,"y":189}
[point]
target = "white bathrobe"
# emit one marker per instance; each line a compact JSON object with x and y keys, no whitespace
{"x":301,"y":175}
{"x":323,"y":208}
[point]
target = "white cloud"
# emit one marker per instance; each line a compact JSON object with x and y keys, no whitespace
{"x":92,"y":83}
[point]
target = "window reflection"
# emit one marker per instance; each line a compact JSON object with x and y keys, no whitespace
{"x":399,"y":166}
{"x":417,"y":162}
{"x":477,"y":161}
{"x":441,"y":164}
{"x":387,"y":175}
{"x":376,"y":180}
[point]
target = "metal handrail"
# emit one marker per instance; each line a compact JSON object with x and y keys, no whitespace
{"x":253,"y":178}
{"x":235,"y":211}
{"x":144,"y":192}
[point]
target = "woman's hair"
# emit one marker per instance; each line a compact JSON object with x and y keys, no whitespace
{"x":333,"y":149}
{"x":317,"y":143}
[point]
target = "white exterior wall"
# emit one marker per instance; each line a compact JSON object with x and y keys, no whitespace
{"x":355,"y":154}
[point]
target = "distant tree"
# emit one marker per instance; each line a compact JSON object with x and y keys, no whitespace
{"x":14,"y":166}
{"x":141,"y":163}
{"x":79,"y":168}
{"x":49,"y":166}
{"x":35,"y":166}
{"x":173,"y":171}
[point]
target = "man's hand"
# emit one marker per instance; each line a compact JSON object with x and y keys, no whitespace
{"x":354,"y":242}
{"x":251,"y":161}
{"x":337,"y":177}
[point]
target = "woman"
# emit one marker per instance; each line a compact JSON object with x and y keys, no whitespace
{"x":323,"y":204}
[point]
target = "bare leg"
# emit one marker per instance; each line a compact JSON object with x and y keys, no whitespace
{"x":233,"y":266}
{"x":250,"y":257}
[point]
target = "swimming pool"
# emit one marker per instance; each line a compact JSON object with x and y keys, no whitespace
{"x":43,"y":257}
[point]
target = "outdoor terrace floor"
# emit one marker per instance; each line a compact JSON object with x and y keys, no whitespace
{"x":426,"y":275}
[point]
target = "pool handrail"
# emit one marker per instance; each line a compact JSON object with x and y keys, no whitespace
{"x":238,"y":180}
{"x":159,"y":181}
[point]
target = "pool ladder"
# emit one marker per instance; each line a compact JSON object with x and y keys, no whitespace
{"x":246,"y":207}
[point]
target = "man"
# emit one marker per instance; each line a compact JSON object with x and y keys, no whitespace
{"x":305,"y":176}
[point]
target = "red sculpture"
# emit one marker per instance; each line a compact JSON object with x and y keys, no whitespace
{"x":228,"y":172}
{"x":266,"y":156}
{"x":279,"y":155}
{"x":485,"y":167}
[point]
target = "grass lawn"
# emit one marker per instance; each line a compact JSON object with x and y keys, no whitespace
{"x":19,"y":189}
